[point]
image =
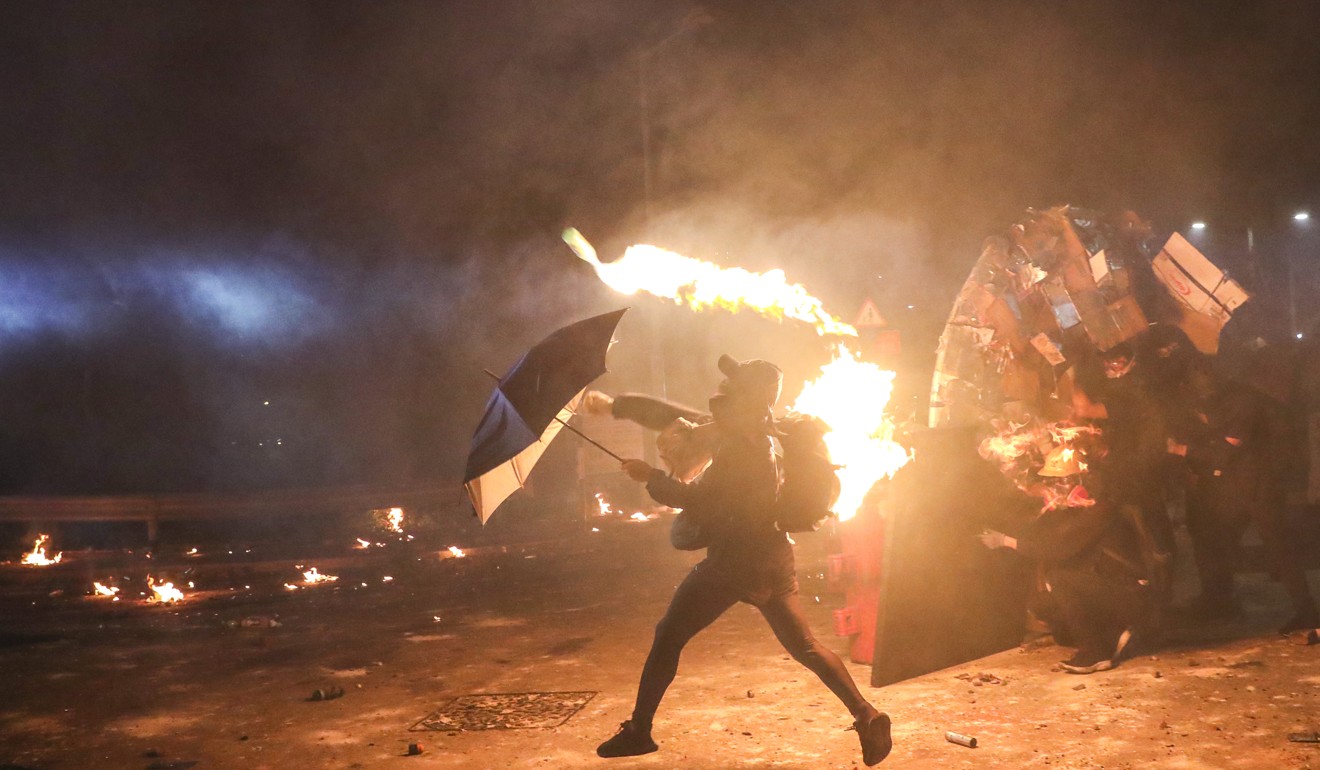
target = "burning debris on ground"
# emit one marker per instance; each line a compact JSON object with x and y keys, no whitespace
{"x":37,"y":556}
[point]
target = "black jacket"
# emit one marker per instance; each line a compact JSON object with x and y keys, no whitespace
{"x":733,"y":500}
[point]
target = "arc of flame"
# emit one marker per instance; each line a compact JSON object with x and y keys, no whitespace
{"x":851,"y":396}
{"x":699,"y":284}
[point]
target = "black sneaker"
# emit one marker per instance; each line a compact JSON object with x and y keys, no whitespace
{"x":1086,"y":663}
{"x":875,"y":738}
{"x":630,"y":741}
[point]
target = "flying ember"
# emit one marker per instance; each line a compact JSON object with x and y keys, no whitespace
{"x":37,"y":557}
{"x":851,"y":396}
{"x":699,"y":284}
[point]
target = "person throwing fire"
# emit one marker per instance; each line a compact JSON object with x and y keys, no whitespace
{"x":748,"y":559}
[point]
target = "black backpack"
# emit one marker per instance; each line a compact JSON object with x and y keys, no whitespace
{"x":810,"y":486}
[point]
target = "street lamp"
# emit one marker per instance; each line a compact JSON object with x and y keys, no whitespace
{"x":1301,"y":216}
{"x":1198,"y":226}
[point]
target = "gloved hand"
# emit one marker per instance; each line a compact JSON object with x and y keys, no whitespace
{"x":993,"y":539}
{"x":637,"y":470}
{"x":596,"y":403}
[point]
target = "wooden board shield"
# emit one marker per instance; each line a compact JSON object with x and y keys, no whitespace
{"x":944,"y":598}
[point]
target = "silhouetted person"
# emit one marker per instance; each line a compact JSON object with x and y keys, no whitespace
{"x":1235,"y":465}
{"x":1124,"y":397}
{"x":1096,"y":587}
{"x":748,"y":560}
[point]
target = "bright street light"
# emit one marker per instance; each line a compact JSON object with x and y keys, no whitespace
{"x":1301,"y":216}
{"x":1198,"y":225}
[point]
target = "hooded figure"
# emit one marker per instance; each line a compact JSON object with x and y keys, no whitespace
{"x":748,"y":558}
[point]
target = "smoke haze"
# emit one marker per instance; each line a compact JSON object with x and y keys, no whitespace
{"x":349,"y":210}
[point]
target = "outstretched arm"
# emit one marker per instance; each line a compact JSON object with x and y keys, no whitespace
{"x":647,"y":411}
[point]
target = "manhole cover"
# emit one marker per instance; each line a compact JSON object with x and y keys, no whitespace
{"x":506,"y":711}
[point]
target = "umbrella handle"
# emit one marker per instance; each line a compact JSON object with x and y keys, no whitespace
{"x":588,"y":439}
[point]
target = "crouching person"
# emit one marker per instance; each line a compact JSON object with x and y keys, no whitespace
{"x":1096,"y":590}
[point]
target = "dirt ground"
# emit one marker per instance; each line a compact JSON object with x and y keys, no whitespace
{"x":94,"y":684}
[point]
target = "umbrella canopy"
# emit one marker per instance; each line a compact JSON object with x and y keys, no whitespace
{"x":520,"y":419}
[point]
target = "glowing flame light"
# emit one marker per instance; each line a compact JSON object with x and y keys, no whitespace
{"x":1044,"y":461}
{"x":850,"y":396}
{"x":165,"y":593}
{"x":699,"y":284}
{"x":313,"y":576}
{"x":104,"y":590}
{"x":38,"y":558}
{"x":394,"y":520}
{"x":457,"y":552}
{"x":639,"y":516}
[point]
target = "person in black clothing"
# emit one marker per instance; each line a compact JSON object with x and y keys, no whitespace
{"x":1235,"y":466}
{"x":1096,"y":588}
{"x":748,"y":560}
{"x":1122,"y":392}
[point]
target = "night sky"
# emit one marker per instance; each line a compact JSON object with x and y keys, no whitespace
{"x":349,"y":210}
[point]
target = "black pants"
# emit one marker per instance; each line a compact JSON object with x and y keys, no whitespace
{"x":1090,"y":611}
{"x":705,"y":594}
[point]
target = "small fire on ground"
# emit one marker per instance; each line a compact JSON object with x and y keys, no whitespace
{"x":606,"y":509}
{"x":101,"y":589}
{"x":37,"y":557}
{"x":164,"y":593}
{"x":311,"y":577}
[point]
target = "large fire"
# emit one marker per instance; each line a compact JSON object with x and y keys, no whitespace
{"x":37,"y":557}
{"x":850,"y":396}
{"x":700,"y":285}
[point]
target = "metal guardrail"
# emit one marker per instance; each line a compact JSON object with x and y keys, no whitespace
{"x":153,"y":509}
